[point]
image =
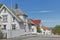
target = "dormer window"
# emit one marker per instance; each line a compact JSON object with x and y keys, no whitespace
{"x":25,"y":18}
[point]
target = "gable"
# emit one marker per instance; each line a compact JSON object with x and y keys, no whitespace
{"x":3,"y":10}
{"x":10,"y":12}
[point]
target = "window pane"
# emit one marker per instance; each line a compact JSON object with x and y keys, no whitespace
{"x":13,"y":26}
{"x":4,"y":17}
{"x":4,"y":10}
{"x":4,"y":26}
{"x":13,"y":19}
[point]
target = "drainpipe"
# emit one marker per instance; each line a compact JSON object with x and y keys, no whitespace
{"x":0,"y":22}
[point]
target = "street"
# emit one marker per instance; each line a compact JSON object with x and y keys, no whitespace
{"x":36,"y":37}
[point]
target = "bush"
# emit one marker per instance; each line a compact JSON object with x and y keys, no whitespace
{"x":38,"y":30}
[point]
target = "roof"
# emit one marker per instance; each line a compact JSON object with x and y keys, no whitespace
{"x":15,"y":12}
{"x":36,"y":22}
{"x":45,"y":28}
{"x":19,"y":12}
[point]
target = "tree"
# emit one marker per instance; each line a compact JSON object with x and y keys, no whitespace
{"x":56,"y":30}
{"x":38,"y":29}
{"x":1,"y":5}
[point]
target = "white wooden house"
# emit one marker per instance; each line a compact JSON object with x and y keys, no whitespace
{"x":45,"y":30}
{"x":33,"y":25}
{"x":14,"y":22}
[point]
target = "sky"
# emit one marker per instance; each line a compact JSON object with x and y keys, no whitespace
{"x":48,"y":11}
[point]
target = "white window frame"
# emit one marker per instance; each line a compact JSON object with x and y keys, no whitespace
{"x":4,"y":18}
{"x":13,"y":19}
{"x":4,"y":10}
{"x":13,"y":26}
{"x":4,"y":27}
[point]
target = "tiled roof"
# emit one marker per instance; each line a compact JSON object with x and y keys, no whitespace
{"x":45,"y":28}
{"x":36,"y":22}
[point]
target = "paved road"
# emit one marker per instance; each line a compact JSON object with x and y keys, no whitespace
{"x":36,"y":37}
{"x":40,"y":37}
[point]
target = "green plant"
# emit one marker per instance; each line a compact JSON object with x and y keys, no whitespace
{"x":56,"y":30}
{"x":1,"y":5}
{"x":38,"y":29}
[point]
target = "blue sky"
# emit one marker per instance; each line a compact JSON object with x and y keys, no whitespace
{"x":48,"y":11}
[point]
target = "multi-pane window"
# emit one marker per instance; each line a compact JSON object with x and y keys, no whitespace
{"x":4,"y":10}
{"x":13,"y":19}
{"x":25,"y":18}
{"x":13,"y":26}
{"x":4,"y":17}
{"x":4,"y":26}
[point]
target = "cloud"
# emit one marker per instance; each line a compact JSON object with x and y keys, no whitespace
{"x":44,"y":11}
{"x":51,"y":21}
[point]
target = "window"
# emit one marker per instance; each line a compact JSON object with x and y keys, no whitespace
{"x":4,"y":10}
{"x":32,"y":24}
{"x":25,"y":18}
{"x":32,"y":30}
{"x":13,"y":19}
{"x":4,"y":17}
{"x":4,"y":26}
{"x":13,"y":26}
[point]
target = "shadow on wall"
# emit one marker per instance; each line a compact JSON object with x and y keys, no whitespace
{"x":3,"y":35}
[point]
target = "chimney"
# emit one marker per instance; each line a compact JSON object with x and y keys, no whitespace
{"x":16,"y":6}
